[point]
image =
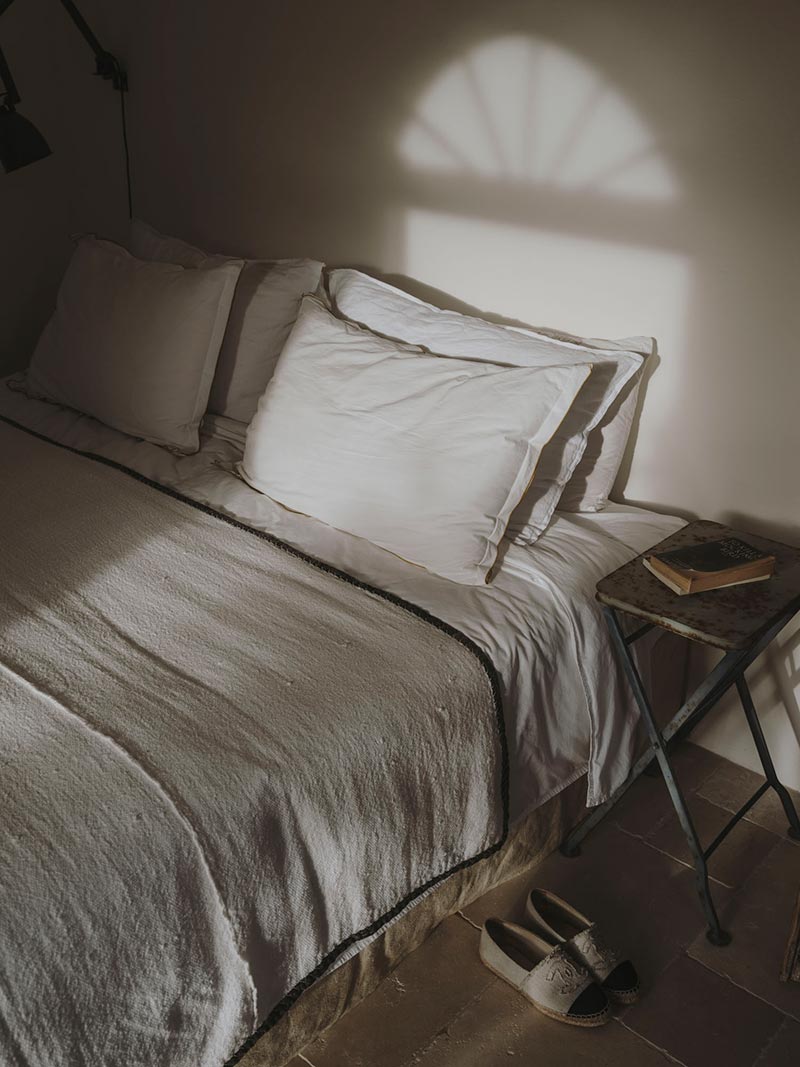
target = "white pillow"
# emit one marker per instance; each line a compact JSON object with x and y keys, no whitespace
{"x":134,"y":344}
{"x":593,"y":479}
{"x":264,"y":309}
{"x":596,"y":428}
{"x":424,"y":456}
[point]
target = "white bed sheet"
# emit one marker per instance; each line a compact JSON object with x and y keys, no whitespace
{"x":567,"y":706}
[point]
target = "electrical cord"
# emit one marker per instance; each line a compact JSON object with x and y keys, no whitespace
{"x":127,"y":150}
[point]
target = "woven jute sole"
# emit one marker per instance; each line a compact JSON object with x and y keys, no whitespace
{"x":624,"y":996}
{"x":599,"y":1019}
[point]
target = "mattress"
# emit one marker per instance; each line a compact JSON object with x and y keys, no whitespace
{"x":567,"y":706}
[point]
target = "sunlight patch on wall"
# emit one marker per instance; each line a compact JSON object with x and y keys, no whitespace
{"x":525,"y":110}
{"x":579,"y":284}
{"x":591,"y":287}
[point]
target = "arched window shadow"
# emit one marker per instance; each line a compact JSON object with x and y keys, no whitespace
{"x":535,"y":191}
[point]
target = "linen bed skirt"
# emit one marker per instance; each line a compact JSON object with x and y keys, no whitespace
{"x":529,"y":841}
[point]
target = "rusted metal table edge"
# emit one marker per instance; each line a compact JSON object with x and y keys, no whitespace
{"x":692,"y":632}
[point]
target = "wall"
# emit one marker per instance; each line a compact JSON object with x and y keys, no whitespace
{"x":606,"y":166}
{"x":79,"y":187}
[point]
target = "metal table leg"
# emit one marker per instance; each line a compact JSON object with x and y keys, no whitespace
{"x":766,"y":759}
{"x":715,"y":934}
{"x":728,"y":672}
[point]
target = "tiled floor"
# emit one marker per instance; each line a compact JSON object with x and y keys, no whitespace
{"x":701,"y":1006}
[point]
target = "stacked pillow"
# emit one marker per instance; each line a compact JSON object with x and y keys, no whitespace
{"x":430,"y":433}
{"x":578,"y":468}
{"x":264,"y":310}
{"x":148,"y":342}
{"x":425,"y":456}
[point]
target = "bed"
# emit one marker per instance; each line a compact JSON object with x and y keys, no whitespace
{"x":297,"y":654}
{"x":542,"y":726}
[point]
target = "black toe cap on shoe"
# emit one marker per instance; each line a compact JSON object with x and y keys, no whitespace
{"x":622,"y":980}
{"x":592,"y":1001}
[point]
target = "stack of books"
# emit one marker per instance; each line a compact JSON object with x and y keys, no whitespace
{"x":711,"y":565}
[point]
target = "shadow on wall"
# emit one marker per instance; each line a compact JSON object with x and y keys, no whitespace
{"x":531,"y":184}
{"x":527,"y":182}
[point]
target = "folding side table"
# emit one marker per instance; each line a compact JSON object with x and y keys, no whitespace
{"x":742,"y":621}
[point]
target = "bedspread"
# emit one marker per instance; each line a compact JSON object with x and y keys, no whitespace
{"x":222,"y":763}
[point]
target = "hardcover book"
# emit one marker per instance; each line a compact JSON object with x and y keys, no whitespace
{"x":710,"y":565}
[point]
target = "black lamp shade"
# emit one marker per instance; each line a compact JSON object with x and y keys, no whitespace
{"x":20,"y":141}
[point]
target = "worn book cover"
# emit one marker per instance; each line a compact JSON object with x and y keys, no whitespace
{"x":710,"y":565}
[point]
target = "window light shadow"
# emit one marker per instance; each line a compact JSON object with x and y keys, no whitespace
{"x":531,"y":112}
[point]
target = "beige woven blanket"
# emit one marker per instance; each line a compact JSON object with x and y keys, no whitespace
{"x":220,"y":767}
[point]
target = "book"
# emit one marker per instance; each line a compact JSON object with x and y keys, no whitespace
{"x":710,"y":565}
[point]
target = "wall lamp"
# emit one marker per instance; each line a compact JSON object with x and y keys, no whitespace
{"x":20,"y":142}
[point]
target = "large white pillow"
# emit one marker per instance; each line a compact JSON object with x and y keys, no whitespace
{"x":135,"y":344}
{"x":264,"y":310}
{"x":425,"y":456}
{"x":579,"y":467}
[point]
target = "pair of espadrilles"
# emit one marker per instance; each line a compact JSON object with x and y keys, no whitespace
{"x":559,"y":961}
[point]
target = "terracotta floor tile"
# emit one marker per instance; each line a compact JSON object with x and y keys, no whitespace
{"x":730,"y":786}
{"x":647,"y":804}
{"x":500,"y":1027}
{"x":622,"y":884}
{"x":702,"y":1019}
{"x":408,"y":1009}
{"x":743,"y":849}
{"x":784,"y":1049}
{"x":758,"y":916}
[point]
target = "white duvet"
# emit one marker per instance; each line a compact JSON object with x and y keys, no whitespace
{"x":567,"y":705}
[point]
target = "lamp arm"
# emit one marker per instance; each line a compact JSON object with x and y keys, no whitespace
{"x":10,"y":94}
{"x":8,"y":97}
{"x":108,"y":66}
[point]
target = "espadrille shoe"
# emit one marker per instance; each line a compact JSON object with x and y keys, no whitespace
{"x":551,"y":917}
{"x":550,"y":979}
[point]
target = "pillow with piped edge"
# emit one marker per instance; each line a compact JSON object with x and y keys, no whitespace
{"x":422,"y":455}
{"x":134,"y":344}
{"x":395,"y":314}
{"x":593,"y":479}
{"x":264,"y":309}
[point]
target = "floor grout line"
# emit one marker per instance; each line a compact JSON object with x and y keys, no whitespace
{"x":771,"y":1041}
{"x":467,"y":919}
{"x":418,"y":1053}
{"x":652,"y":1044}
{"x":683,"y":863}
{"x":743,"y":988}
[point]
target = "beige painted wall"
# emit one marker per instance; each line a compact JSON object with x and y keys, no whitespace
{"x":606,"y":167}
